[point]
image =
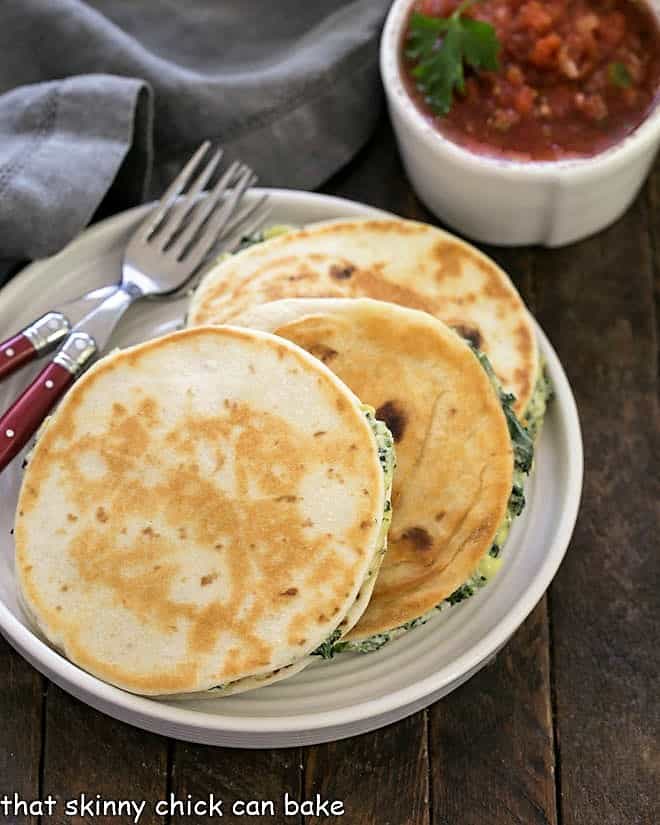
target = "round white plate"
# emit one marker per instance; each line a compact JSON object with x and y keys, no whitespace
{"x":353,"y":693}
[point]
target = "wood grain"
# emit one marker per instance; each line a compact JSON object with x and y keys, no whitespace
{"x":234,"y":775}
{"x":21,"y":692}
{"x":381,"y":777}
{"x":491,"y":741}
{"x":596,"y":301}
{"x":652,"y":193}
{"x":87,"y":752}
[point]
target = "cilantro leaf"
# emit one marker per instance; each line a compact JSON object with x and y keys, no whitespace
{"x":619,"y":75}
{"x":441,"y":47}
{"x":480,"y":45}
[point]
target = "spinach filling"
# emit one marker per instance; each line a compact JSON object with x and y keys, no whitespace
{"x":266,"y":234}
{"x":387,"y":459}
{"x":538,"y":403}
{"x":522,"y":440}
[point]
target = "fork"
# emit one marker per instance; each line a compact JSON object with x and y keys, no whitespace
{"x":161,"y":258}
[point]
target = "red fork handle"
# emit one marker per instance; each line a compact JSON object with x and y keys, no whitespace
{"x":33,"y":341}
{"x":25,"y":416}
{"x":14,"y":353}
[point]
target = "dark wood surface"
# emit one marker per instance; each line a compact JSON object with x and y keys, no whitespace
{"x":563,"y":728}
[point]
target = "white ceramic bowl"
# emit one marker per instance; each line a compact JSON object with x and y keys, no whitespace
{"x":511,"y":202}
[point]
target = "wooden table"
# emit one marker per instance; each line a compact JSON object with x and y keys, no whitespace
{"x":564,"y":726}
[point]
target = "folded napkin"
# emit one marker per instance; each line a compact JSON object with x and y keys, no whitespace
{"x":101,"y":102}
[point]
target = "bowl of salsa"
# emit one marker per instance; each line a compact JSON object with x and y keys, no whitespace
{"x":521,"y":121}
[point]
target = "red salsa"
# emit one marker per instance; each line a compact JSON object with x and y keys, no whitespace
{"x":575,"y":77}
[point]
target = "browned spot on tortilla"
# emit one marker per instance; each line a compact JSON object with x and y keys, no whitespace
{"x":393,"y":415}
{"x":118,"y":409}
{"x":64,"y":588}
{"x":101,"y":515}
{"x":470,"y":333}
{"x":495,"y":286}
{"x":208,"y":579}
{"x":287,"y":498}
{"x":439,"y":516}
{"x":291,"y":591}
{"x":419,"y":537}
{"x":71,"y":517}
{"x":450,"y":257}
{"x":319,"y":433}
{"x":323,"y":353}
{"x":341,"y":273}
{"x":372,"y":283}
{"x":364,"y":525}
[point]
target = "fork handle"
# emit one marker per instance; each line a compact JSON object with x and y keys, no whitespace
{"x":31,"y":342}
{"x":15,"y":353}
{"x":27,"y":413}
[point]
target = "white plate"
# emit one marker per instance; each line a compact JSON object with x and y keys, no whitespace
{"x":354,"y":693}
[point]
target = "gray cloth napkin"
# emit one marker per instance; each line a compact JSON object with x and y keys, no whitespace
{"x":102,"y":101}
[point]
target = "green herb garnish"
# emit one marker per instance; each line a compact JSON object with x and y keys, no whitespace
{"x":440,"y":47}
{"x":619,"y":75}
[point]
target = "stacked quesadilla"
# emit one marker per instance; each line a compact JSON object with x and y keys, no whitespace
{"x":203,"y":512}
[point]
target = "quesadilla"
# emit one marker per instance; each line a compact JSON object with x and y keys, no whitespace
{"x":403,"y":262}
{"x":202,"y":512}
{"x":461,"y":453}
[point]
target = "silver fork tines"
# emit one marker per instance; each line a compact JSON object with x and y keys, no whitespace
{"x":195,"y":254}
{"x":230,"y":240}
{"x":171,"y":194}
{"x":182,"y":209}
{"x":189,"y":222}
{"x":203,"y":211}
{"x":242,"y":219}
